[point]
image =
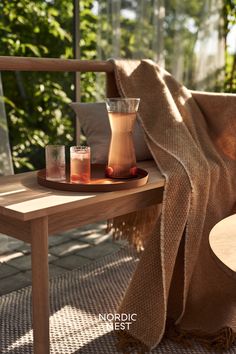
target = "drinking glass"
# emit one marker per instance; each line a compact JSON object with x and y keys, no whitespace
{"x":80,"y":164}
{"x":55,"y":162}
{"x":121,"y":157}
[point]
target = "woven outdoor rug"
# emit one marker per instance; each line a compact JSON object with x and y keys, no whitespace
{"x":76,"y":299}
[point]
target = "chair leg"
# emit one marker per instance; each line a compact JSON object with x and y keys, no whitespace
{"x":40,"y":286}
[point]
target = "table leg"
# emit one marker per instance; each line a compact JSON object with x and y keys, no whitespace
{"x":40,"y":293}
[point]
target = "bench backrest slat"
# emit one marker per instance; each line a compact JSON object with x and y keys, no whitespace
{"x":10,"y":63}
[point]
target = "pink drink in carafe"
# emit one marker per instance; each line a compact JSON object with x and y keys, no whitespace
{"x":121,"y":159}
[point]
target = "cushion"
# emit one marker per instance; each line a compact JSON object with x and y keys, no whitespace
{"x":95,"y":125}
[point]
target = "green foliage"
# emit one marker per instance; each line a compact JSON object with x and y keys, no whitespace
{"x":88,"y":31}
{"x":182,"y":23}
{"x":37,"y":103}
{"x":230,"y":69}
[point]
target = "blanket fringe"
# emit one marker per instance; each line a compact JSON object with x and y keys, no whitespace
{"x":218,"y":341}
{"x":221,"y":340}
{"x":128,"y":344}
{"x":136,"y":226}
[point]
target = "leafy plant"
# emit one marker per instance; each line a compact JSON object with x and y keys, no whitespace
{"x":37,"y":103}
{"x":229,"y":23}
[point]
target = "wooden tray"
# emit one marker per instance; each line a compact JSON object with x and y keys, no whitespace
{"x":98,"y":183}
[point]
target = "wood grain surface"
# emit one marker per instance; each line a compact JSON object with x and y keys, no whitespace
{"x":22,"y":198}
{"x":222,"y":241}
{"x":8,"y":63}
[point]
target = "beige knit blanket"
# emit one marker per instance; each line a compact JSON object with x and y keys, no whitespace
{"x":192,"y":137}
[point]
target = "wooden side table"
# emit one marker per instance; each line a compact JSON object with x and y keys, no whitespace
{"x":30,"y":212}
{"x":223,"y":244}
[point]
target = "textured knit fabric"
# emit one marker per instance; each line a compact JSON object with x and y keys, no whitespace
{"x":192,"y":137}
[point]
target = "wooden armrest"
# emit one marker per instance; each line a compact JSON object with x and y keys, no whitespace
{"x":8,"y":63}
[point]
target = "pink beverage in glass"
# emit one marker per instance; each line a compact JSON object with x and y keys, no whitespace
{"x":80,"y":164}
{"x":55,"y":163}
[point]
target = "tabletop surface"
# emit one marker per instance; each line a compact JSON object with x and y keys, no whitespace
{"x":223,"y":242}
{"x":22,"y":198}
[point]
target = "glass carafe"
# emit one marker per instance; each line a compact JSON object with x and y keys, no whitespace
{"x":121,"y":159}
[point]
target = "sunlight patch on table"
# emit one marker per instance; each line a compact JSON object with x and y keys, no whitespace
{"x":46,"y":202}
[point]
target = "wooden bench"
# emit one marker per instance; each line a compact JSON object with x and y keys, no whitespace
{"x":30,"y":212}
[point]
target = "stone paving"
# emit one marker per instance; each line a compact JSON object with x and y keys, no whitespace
{"x":67,"y":251}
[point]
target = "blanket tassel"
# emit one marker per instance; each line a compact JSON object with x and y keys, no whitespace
{"x":135,"y":227}
{"x":128,"y":344}
{"x":223,"y":339}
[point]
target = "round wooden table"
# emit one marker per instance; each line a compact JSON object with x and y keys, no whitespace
{"x":222,"y":241}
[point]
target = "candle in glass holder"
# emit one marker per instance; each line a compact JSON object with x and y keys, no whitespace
{"x":80,"y":164}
